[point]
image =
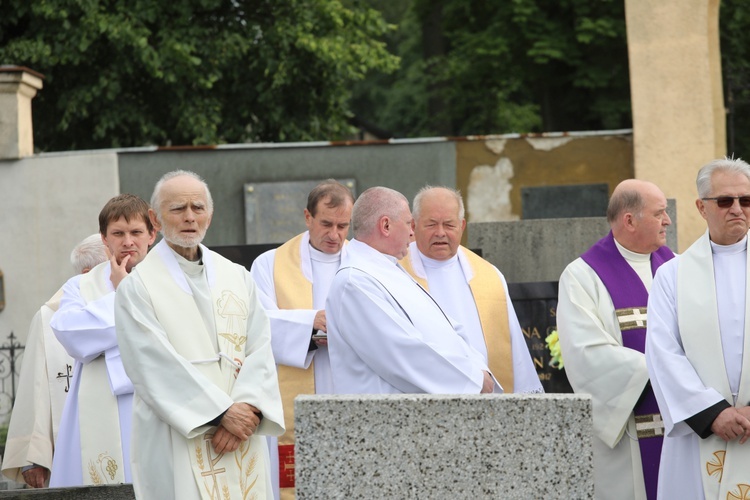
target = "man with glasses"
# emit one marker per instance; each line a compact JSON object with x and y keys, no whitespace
{"x":695,"y":346}
{"x":293,"y":282}
{"x":601,"y":321}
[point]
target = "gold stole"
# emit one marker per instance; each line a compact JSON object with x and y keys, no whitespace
{"x":725,"y":467}
{"x":293,"y":291}
{"x":233,"y":475}
{"x":492,"y":306}
{"x":98,"y":413}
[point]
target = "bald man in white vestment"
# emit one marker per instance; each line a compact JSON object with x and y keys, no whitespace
{"x":468,"y":288}
{"x":386,"y":334}
{"x":196,"y":343}
{"x":697,"y":344}
{"x":601,"y":321}
{"x":293,"y":282}
{"x":43,"y":385}
{"x":93,"y":445}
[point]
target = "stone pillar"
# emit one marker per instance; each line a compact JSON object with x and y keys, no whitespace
{"x":679,"y":120}
{"x":18,"y":86}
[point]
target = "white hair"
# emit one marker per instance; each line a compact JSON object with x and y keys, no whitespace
{"x":88,"y":254}
{"x":156,"y":196}
{"x":373,"y":204}
{"x":726,"y":164}
{"x":416,"y":206}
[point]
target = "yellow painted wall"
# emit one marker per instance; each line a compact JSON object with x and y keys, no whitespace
{"x":541,"y":161}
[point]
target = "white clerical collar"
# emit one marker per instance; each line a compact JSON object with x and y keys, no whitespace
{"x":437,"y":264}
{"x":190,"y":267}
{"x":632,"y":256}
{"x":738,"y":247}
{"x":319,"y":256}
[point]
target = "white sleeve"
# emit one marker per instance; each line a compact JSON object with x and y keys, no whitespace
{"x":596,"y":362}
{"x":84,"y":329}
{"x":291,"y":329}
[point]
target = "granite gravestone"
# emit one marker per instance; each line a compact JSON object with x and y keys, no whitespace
{"x":558,"y":202}
{"x":274,"y":211}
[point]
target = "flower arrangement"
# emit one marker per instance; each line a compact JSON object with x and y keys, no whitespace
{"x":553,"y":344}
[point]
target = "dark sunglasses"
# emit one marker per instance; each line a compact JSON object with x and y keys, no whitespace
{"x":728,"y":201}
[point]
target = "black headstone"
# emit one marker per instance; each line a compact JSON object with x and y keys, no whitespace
{"x":536,"y":308}
{"x":558,"y":202}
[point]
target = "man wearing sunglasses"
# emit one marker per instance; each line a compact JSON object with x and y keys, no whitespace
{"x":695,"y":346}
{"x":601,"y":321}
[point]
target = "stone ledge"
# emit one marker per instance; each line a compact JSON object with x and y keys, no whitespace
{"x":444,"y":446}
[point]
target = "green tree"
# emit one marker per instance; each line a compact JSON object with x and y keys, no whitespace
{"x":498,"y":67}
{"x":735,"y":65}
{"x":136,"y":72}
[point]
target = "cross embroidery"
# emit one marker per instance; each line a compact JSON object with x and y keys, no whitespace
{"x":211,"y":471}
{"x":631,"y":318}
{"x":66,"y":376}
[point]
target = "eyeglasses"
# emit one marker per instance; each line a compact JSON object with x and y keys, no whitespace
{"x":728,"y":201}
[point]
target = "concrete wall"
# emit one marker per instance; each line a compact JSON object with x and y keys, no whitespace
{"x":48,"y":204}
{"x":541,"y":249}
{"x":491,"y":171}
{"x":404,"y":167}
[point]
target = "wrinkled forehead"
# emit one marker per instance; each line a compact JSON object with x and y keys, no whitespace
{"x":183,"y":190}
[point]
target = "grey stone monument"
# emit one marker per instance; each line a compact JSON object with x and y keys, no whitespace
{"x":444,"y":446}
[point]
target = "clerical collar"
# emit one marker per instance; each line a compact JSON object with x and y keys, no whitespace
{"x":738,"y":247}
{"x":437,"y":264}
{"x":188,"y":266}
{"x":632,"y":256}
{"x":319,"y":256}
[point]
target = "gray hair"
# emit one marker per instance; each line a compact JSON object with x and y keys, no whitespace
{"x":726,"y":164}
{"x":156,"y":196}
{"x":336,"y":193}
{"x":416,"y":205}
{"x":625,"y":200}
{"x":88,"y":254}
{"x":373,"y":204}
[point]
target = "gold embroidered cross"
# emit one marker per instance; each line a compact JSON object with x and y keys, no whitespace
{"x":717,"y":467}
{"x":211,"y":472}
{"x":744,"y":493}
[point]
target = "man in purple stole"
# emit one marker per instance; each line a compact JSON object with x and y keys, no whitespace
{"x":601,"y":320}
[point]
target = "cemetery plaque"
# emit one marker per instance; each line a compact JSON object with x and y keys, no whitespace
{"x":274,"y":210}
{"x":536,"y":308}
{"x":558,"y":202}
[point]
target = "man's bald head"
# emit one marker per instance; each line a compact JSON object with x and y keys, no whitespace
{"x":637,"y":214}
{"x":381,"y":219}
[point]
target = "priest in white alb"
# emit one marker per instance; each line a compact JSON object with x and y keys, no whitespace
{"x":43,"y":385}
{"x":293,"y":282}
{"x":196,"y":343}
{"x":468,"y":288}
{"x":601,"y":322}
{"x":698,"y":346}
{"x":386,"y":334}
{"x":93,"y":445}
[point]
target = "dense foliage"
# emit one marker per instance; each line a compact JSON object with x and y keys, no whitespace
{"x":136,"y":72}
{"x":526,"y":66}
{"x":497,"y":67}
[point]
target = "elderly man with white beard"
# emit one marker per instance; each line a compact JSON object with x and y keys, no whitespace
{"x":196,"y":343}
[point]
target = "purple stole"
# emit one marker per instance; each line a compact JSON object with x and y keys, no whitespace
{"x":628,"y":292}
